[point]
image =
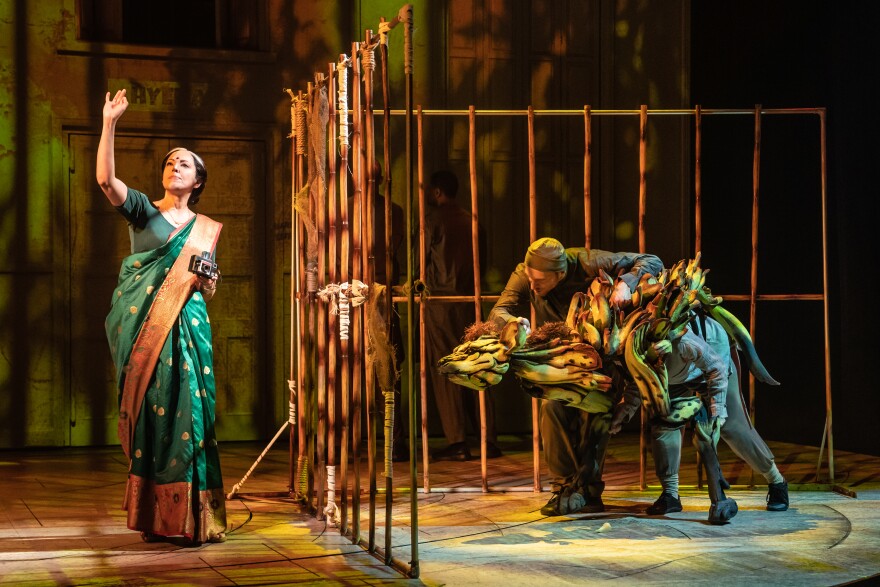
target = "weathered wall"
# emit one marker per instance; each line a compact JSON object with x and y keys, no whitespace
{"x":491,"y":54}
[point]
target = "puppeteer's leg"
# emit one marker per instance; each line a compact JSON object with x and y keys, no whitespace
{"x":562,"y":429}
{"x":706,"y":434}
{"x":666,"y":450}
{"x":742,"y":437}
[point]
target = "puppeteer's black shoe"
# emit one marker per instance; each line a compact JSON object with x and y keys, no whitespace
{"x":593,"y":505}
{"x":457,"y":451}
{"x":562,"y":503}
{"x":492,"y":451}
{"x":399,"y":452}
{"x":777,"y":497}
{"x":665,"y":504}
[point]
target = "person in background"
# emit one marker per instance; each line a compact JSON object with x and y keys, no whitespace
{"x":449,"y":270}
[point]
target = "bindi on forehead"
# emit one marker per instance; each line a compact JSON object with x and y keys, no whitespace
{"x":184,"y":156}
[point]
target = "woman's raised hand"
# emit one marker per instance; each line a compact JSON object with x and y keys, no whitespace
{"x":114,"y":108}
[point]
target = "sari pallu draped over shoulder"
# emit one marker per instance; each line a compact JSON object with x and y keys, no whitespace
{"x":160,"y":340}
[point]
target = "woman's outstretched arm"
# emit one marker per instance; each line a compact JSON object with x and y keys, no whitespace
{"x":105,"y":173}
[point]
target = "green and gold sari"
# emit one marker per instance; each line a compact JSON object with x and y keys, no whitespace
{"x":160,"y":340}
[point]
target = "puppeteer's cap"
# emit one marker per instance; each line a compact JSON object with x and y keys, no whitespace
{"x":546,"y":254}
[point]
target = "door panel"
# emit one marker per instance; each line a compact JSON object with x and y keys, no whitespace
{"x":99,"y":242}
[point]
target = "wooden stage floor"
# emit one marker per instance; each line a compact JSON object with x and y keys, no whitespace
{"x":61,"y":525}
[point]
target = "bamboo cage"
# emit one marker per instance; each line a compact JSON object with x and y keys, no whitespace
{"x":330,"y":375}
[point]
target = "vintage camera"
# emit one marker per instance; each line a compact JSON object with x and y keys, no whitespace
{"x":203,"y":265}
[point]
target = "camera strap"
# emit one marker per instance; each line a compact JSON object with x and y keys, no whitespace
{"x":174,"y":292}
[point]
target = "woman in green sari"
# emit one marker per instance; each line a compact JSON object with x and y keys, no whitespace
{"x":160,"y":340}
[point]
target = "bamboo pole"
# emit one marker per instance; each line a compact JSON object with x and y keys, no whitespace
{"x":475,"y":244}
{"x":303,"y":315}
{"x":588,"y":166}
{"x":753,"y":306}
{"x":406,"y":16}
{"x":698,"y":180}
{"x":296,"y":437}
{"x":698,"y":222}
{"x":327,"y":413}
{"x":423,"y":359}
{"x":309,"y":292}
{"x":533,"y":236}
{"x":345,"y":276}
{"x":358,"y":260}
{"x":369,"y":65}
{"x":386,"y":154}
{"x":643,"y":185}
{"x":825,"y":309}
{"x":320,"y":147}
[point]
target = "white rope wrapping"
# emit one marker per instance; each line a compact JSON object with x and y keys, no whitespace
{"x":341,"y":298}
{"x":331,"y":510}
{"x":389,"y":431}
{"x":291,"y":410}
{"x":344,"y":318}
{"x":384,"y":29}
{"x":342,"y":106}
{"x":312,"y":277}
{"x":303,"y":468}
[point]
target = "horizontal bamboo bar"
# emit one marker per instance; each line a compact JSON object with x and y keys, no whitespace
{"x":772,"y":297}
{"x":657,"y":112}
{"x":730,"y":297}
{"x":447,"y":299}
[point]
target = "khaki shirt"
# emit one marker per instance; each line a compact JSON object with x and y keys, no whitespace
{"x":584,"y":265}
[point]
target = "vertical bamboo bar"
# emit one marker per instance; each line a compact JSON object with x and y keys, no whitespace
{"x":825,"y":315}
{"x":344,"y":256}
{"x":296,"y":436}
{"x":406,"y":17}
{"x":588,"y":166}
{"x":698,"y":181}
{"x":303,"y":313}
{"x":475,"y":244}
{"x":753,"y":290}
{"x":345,"y":276}
{"x":357,"y":263}
{"x":423,"y":360}
{"x":698,"y":220}
{"x":368,"y":58}
{"x":386,"y":155}
{"x":643,"y":175}
{"x":533,"y":236}
{"x":307,"y":269}
{"x":643,"y":185}
{"x":327,"y":412}
{"x":321,"y":330}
